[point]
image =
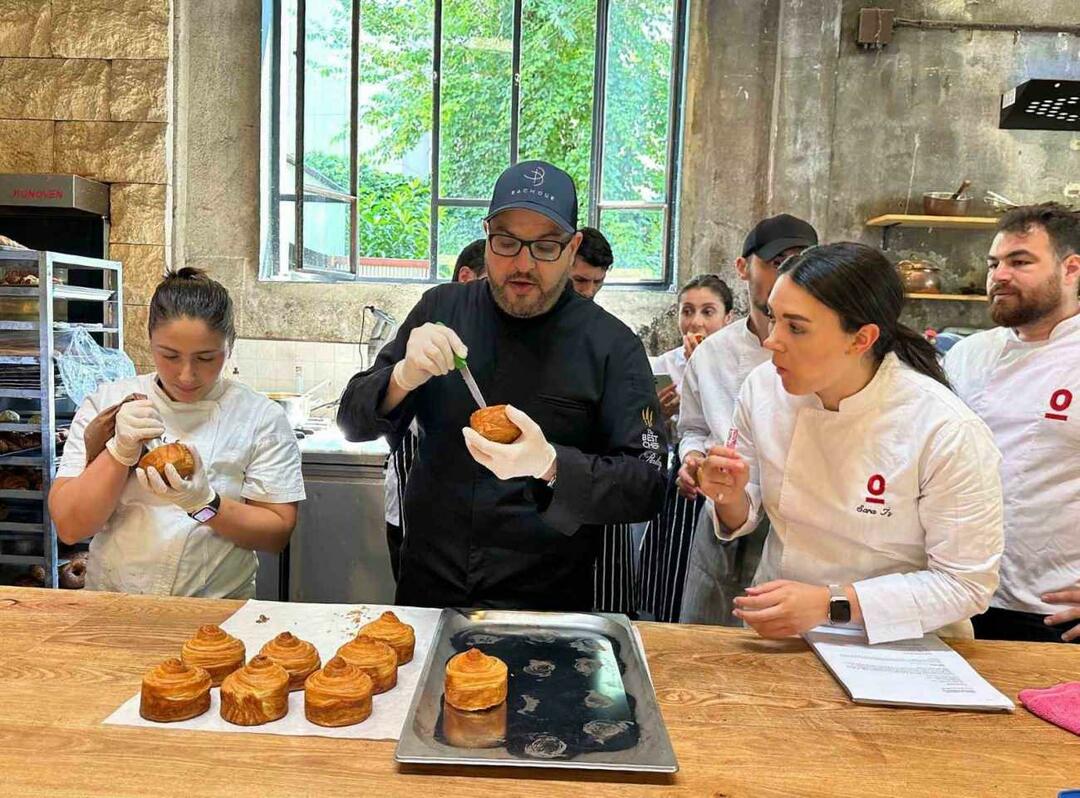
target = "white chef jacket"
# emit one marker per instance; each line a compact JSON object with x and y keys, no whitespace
{"x":897,"y":493}
{"x":715,"y":373}
{"x":149,"y":545}
{"x":672,"y":363}
{"x":1028,"y":393}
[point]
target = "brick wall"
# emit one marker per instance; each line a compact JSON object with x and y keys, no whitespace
{"x":83,"y":88}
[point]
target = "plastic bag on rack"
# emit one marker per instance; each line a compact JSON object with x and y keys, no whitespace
{"x":85,"y":364}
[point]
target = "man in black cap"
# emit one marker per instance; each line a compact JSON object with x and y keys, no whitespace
{"x":515,"y":525}
{"x":687,"y":574}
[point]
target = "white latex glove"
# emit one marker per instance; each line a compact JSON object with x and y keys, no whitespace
{"x":529,"y":456}
{"x":429,"y":353}
{"x":190,"y":495}
{"x":137,"y":421}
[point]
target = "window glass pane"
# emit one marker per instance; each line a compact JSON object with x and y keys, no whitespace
{"x":477,"y":43}
{"x":327,"y":76}
{"x":286,"y":219}
{"x":637,"y":100}
{"x":458,"y":227}
{"x":394,"y":136}
{"x":326,"y":234}
{"x":558,"y":51}
{"x":637,"y":242}
{"x":286,"y":134}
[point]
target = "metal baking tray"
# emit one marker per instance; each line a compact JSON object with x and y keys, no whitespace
{"x":578,"y":696}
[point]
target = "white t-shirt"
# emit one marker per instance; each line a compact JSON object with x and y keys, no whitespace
{"x":1028,"y":393}
{"x":149,"y":545}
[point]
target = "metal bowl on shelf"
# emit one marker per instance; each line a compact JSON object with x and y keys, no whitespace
{"x":919,"y":277}
{"x":941,"y":203}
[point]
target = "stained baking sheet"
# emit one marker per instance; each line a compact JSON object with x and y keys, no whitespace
{"x":327,"y":627}
{"x":578,"y":696}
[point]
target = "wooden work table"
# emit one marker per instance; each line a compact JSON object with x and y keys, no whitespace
{"x":747,"y":717}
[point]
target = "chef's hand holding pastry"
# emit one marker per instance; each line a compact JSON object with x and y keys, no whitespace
{"x":190,"y":518}
{"x":190,"y":495}
{"x":529,"y":456}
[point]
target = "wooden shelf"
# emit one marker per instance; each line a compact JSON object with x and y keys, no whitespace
{"x":941,"y":222}
{"x":950,"y":297}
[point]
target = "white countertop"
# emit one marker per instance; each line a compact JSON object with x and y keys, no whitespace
{"x":329,"y":445}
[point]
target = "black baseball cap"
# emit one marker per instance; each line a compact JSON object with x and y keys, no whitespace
{"x":537,"y":186}
{"x":772,"y":236}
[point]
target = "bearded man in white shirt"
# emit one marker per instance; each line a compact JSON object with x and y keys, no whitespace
{"x":1023,"y":379}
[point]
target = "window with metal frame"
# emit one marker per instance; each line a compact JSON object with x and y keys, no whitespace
{"x":386,"y":122}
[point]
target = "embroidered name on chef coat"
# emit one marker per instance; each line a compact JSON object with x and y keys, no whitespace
{"x":875,"y":489}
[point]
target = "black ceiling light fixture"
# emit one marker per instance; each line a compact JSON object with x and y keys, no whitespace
{"x":1041,"y":104}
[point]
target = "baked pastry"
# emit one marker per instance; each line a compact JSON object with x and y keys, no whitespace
{"x":257,"y":693}
{"x":493,"y":423}
{"x":485,"y":728}
{"x":374,"y":658}
{"x":399,"y":636}
{"x":215,"y":650}
{"x":73,"y":574}
{"x":176,"y":453}
{"x":298,"y":657}
{"x":338,"y":695}
{"x":174,"y":691}
{"x":475,"y":681}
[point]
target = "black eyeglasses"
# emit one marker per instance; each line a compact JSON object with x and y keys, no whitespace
{"x":507,"y":246}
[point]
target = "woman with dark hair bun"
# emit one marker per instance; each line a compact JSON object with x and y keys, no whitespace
{"x":162,"y":531}
{"x":881,"y":486}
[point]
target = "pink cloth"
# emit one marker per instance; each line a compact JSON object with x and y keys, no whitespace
{"x":1059,"y":704}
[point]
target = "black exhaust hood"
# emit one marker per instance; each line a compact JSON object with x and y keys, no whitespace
{"x":1041,"y":105}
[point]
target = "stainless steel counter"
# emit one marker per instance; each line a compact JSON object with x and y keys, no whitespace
{"x":338,"y":550}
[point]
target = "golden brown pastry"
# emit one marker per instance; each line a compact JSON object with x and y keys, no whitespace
{"x":215,"y":650}
{"x":257,"y":693}
{"x":399,"y":636}
{"x":174,"y":691}
{"x":485,"y":728}
{"x":175,"y":453}
{"x":475,"y":681}
{"x":374,"y":658}
{"x":338,"y":695}
{"x":296,"y":656}
{"x":493,"y":423}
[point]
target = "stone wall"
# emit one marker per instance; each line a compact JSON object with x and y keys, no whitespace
{"x":84,"y":90}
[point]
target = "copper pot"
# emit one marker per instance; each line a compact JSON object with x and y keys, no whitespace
{"x":919,"y":277}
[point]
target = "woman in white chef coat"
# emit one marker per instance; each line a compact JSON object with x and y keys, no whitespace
{"x":158,"y":533}
{"x":882,"y":487}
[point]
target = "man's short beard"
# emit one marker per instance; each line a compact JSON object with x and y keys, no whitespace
{"x":1020,"y":310}
{"x":541,"y":305}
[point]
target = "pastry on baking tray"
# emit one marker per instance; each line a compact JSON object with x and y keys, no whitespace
{"x":338,"y":695}
{"x":399,"y":636}
{"x":485,"y":728}
{"x":493,"y":423}
{"x":174,"y":691}
{"x":215,"y":650}
{"x":257,"y":693}
{"x":298,"y":657}
{"x":175,"y":453}
{"x":374,"y":658}
{"x":475,"y":681}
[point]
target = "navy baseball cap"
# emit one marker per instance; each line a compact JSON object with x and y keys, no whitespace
{"x":537,"y":186}
{"x":772,"y":236}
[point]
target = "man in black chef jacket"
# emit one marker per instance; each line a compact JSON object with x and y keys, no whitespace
{"x":515,"y":525}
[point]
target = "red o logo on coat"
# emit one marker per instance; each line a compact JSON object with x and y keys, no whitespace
{"x":1060,"y":401}
{"x":875,"y":486}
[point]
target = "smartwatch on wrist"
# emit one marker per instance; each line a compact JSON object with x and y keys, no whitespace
{"x":209,"y":511}
{"x":839,"y":606}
